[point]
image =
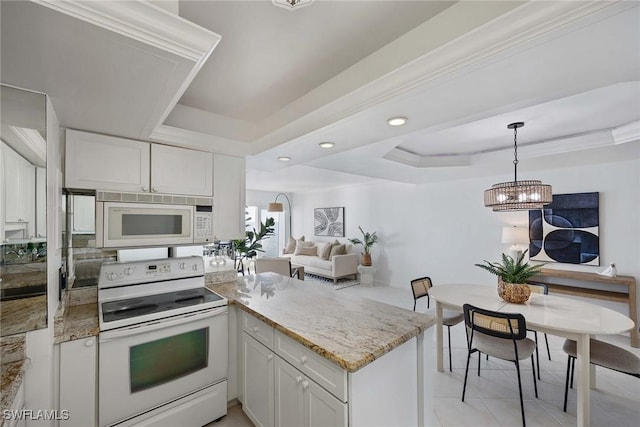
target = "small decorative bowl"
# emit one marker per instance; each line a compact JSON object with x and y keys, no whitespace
{"x":517,"y":293}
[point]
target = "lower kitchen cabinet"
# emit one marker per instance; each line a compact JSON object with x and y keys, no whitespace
{"x":301,"y":402}
{"x":78,"y":385}
{"x":16,"y":406}
{"x":276,"y":393}
{"x":258,"y":367}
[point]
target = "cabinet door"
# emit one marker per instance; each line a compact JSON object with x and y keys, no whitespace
{"x":321,"y":408}
{"x":176,"y":170}
{"x":19,"y":177}
{"x":100,"y":162}
{"x":78,"y":381}
{"x":288,"y":395}
{"x":258,"y":366}
{"x":229,"y":194}
{"x":41,"y":202}
{"x":84,"y":214}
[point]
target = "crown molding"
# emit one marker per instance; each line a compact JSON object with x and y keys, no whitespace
{"x":533,"y":22}
{"x":189,"y":139}
{"x":145,"y":22}
{"x":626,"y":133}
{"x":35,"y":145}
{"x":569,"y":144}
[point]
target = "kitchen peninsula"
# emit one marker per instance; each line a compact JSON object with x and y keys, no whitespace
{"x":338,"y":359}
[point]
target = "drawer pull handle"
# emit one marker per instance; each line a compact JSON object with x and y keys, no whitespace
{"x":88,"y":343}
{"x":305,"y":384}
{"x":298,"y":379}
{"x":145,"y":188}
{"x":303,"y":359}
{"x":270,"y":357}
{"x":256,"y":329}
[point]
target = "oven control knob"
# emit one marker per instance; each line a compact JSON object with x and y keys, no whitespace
{"x":182,"y":265}
{"x":194,"y":267}
{"x":111,"y":276}
{"x":128,"y":271}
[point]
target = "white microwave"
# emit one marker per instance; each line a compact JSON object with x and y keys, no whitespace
{"x":133,"y":224}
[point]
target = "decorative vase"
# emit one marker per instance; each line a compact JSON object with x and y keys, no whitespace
{"x":517,"y":293}
{"x":366,"y":259}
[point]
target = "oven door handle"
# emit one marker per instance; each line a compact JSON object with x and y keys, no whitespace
{"x":161,"y":324}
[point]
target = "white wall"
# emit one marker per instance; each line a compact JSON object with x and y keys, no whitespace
{"x":442,"y":229}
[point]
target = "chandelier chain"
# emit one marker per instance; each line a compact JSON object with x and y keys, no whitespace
{"x":515,"y":154}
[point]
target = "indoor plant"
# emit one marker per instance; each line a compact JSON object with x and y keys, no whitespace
{"x":250,"y":246}
{"x":368,"y":239}
{"x":512,"y":277}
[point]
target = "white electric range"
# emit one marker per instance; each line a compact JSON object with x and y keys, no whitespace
{"x":163,"y":344}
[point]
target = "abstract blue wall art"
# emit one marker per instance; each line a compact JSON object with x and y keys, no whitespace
{"x":328,"y":222}
{"x":566,"y":230}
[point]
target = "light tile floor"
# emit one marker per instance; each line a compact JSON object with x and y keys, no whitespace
{"x":492,"y":399}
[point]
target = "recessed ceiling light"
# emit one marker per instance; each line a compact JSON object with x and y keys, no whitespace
{"x":397,"y":121}
{"x":326,"y":144}
{"x":284,"y":158}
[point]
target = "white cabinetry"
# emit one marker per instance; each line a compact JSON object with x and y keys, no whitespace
{"x":258,"y":366}
{"x":41,"y":202}
{"x":100,"y":162}
{"x":84,"y":214}
{"x":276,"y":392}
{"x":180,"y":171}
{"x":229,"y":194}
{"x":19,"y":177}
{"x":301,"y":402}
{"x":18,"y":182}
{"x":78,"y":381}
{"x":17,"y":405}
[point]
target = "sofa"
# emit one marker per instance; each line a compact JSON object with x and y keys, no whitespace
{"x":327,"y":259}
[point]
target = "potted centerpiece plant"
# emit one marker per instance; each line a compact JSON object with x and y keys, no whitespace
{"x":512,"y":277}
{"x":368,"y":239}
{"x":249,"y":247}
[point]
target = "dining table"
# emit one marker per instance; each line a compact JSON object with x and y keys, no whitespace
{"x":560,"y":316}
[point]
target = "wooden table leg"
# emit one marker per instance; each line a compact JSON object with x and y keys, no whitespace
{"x":439,"y":336}
{"x":584,"y":380}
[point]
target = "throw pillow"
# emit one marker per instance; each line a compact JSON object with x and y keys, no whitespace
{"x":306,"y":250}
{"x":324,"y":249}
{"x":291,"y":245}
{"x":338,"y":250}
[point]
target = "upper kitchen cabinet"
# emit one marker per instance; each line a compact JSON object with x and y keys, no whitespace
{"x":177,"y":170}
{"x":229,"y":195}
{"x":19,"y":177}
{"x":100,"y":162}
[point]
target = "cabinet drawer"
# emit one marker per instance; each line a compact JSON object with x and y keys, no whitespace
{"x":258,"y":329}
{"x":330,"y":376}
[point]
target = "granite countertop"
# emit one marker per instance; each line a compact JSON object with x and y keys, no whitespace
{"x":77,"y":316}
{"x":80,"y":321}
{"x":24,"y":278}
{"x":348,"y":330}
{"x":23,"y":314}
{"x":12,"y":370}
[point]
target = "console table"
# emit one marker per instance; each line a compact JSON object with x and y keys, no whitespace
{"x":551,"y":277}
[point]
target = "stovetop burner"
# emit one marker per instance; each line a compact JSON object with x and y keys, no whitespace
{"x":138,"y":306}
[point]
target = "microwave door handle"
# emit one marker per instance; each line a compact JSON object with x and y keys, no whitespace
{"x":160,"y":324}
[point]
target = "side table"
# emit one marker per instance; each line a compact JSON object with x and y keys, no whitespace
{"x":366,"y":275}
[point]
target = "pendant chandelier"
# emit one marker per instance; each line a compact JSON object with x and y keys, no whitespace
{"x":517,"y":195}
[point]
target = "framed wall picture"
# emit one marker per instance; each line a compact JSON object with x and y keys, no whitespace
{"x":328,"y":222}
{"x":567,"y":230}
